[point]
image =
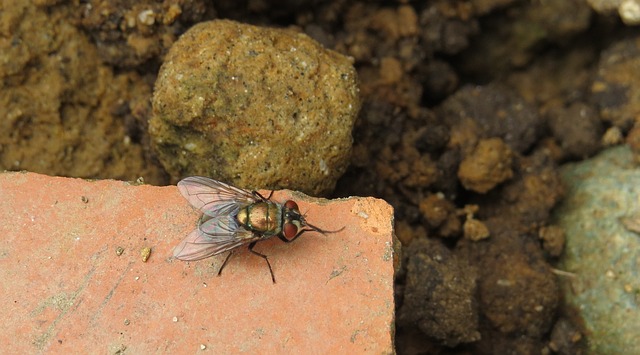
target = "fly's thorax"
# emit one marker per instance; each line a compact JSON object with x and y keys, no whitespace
{"x":262,"y":217}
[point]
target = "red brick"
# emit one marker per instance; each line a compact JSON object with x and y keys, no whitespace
{"x":64,"y":288}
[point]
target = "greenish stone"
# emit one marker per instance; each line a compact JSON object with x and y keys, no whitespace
{"x":602,"y":250}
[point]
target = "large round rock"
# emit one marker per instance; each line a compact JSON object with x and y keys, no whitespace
{"x":255,"y":107}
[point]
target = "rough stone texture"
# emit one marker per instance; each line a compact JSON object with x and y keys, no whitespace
{"x":517,"y":293}
{"x":527,"y":199}
{"x":600,"y":216}
{"x":477,"y":112}
{"x":615,"y":90}
{"x":255,"y":107}
{"x":514,"y":41}
{"x":440,"y":294}
{"x":441,"y":214}
{"x":577,"y":128}
{"x":66,"y":289}
{"x":62,"y":111}
{"x":487,"y":166}
{"x":128,"y":33}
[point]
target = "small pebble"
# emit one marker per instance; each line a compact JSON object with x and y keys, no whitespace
{"x":145,"y":253}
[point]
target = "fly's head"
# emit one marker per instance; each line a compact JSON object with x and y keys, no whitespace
{"x":295,"y":224}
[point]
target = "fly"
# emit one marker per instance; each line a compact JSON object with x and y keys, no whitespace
{"x":232,"y":217}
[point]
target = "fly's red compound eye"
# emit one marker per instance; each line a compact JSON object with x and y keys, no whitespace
{"x":291,"y":205}
{"x":289,"y":230}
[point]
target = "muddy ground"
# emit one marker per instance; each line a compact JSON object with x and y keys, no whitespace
{"x":469,"y":107}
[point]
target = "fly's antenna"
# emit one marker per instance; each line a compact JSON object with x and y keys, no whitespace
{"x":323,"y":231}
{"x":316,"y":229}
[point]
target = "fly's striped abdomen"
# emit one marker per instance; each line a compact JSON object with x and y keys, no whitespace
{"x":261,"y":217}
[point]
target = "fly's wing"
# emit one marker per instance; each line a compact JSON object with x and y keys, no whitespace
{"x":213,"y":236}
{"x":192,"y":248}
{"x":214,"y":198}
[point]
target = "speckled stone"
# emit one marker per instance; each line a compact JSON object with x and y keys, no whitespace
{"x":255,"y":107}
{"x":603,"y":249}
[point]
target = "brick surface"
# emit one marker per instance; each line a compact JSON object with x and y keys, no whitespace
{"x":65,"y":289}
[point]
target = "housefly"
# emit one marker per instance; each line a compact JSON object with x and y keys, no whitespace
{"x":232,"y":217}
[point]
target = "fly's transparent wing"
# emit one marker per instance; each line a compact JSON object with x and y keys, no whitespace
{"x":194,"y":248}
{"x":213,"y":236}
{"x":214,"y":198}
{"x":221,"y":227}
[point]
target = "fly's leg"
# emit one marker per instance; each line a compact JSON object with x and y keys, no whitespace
{"x":225,"y":263}
{"x":253,"y":244}
{"x":258,"y":195}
